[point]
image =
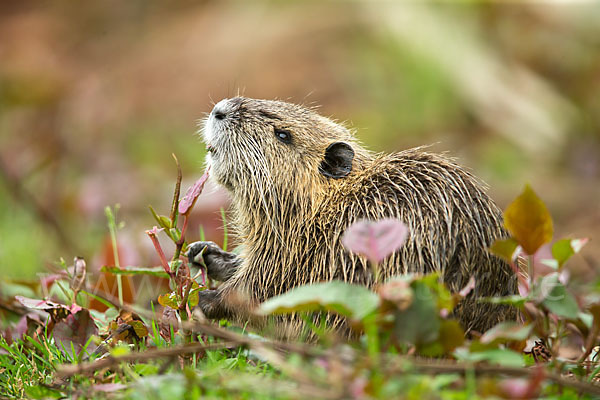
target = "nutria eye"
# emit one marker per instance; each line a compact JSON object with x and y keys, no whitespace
{"x":283,"y":135}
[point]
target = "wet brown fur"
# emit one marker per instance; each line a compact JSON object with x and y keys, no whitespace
{"x":290,"y":217}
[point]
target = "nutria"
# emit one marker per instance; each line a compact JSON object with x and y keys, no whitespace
{"x":297,"y":180}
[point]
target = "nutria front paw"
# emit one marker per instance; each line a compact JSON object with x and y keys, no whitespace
{"x":220,"y":265}
{"x":209,"y":303}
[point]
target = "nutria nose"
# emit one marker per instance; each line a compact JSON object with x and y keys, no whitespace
{"x":220,"y":110}
{"x":219,"y":114}
{"x":225,"y":107}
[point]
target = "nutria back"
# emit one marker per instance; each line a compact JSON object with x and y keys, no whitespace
{"x":298,"y":180}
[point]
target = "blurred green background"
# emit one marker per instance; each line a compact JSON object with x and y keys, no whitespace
{"x":95,"y":96}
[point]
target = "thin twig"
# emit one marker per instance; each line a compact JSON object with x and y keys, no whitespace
{"x":84,"y":368}
{"x":440,"y":367}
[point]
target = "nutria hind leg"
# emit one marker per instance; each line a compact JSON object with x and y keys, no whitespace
{"x":220,"y":265}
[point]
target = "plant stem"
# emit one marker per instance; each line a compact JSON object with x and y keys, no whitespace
{"x":161,"y":254}
{"x":372,"y":338}
{"x":224,"y":229}
{"x":375,"y":268}
{"x":112,"y":228}
{"x":181,"y":241}
{"x":531,"y":269}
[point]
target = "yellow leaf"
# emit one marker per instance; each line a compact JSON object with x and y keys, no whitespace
{"x":140,"y":329}
{"x":505,"y":249}
{"x":528,"y":221}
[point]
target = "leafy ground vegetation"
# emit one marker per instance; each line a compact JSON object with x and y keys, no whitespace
{"x":61,"y":338}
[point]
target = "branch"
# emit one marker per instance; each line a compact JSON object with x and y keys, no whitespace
{"x":110,"y":361}
{"x":440,"y":367}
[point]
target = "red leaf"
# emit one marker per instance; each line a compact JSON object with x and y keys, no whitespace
{"x":375,"y":239}
{"x":27,"y":325}
{"x":109,"y":387}
{"x":76,"y":329}
{"x":187,"y":202}
{"x":57,"y":311}
{"x":37,"y":304}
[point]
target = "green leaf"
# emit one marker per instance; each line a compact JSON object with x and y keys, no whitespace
{"x":451,"y":335}
{"x":505,"y":357}
{"x":586,"y":319}
{"x":550,"y":292}
{"x":193,"y":296}
{"x":514,"y":300}
{"x":431,"y":349}
{"x":120,"y":350}
{"x":564,"y":249}
{"x":152,"y":271}
{"x":528,"y":221}
{"x":505,"y":249}
{"x":420,"y":322}
{"x":155,"y":215}
{"x":444,"y":298}
{"x":139,"y":327}
{"x":355,"y":302}
{"x":506,"y":331}
{"x":169,"y":300}
{"x":145,"y":369}
{"x":165,"y":222}
{"x":42,"y":392}
{"x":174,"y":234}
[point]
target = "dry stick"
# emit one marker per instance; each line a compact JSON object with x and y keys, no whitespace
{"x":83,"y":368}
{"x":447,"y":367}
{"x":26,"y":198}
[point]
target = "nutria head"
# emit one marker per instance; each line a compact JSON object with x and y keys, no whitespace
{"x":271,"y":145}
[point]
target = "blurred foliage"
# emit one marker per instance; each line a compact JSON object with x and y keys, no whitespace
{"x":95,"y":97}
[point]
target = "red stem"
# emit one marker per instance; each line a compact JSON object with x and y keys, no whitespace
{"x":161,"y":254}
{"x":181,"y":241}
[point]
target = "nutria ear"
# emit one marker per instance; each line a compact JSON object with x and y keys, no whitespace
{"x":338,"y":160}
